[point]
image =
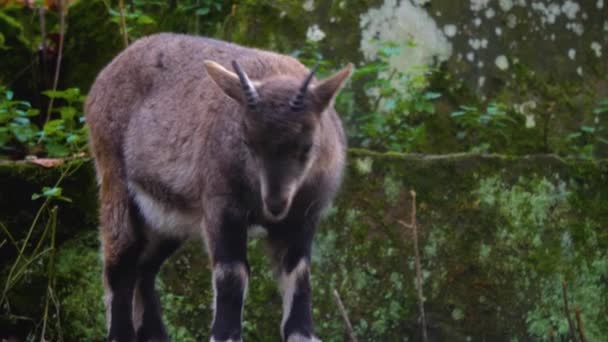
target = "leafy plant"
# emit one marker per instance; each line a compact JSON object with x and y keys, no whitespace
{"x":484,"y":130}
{"x":16,"y":128}
{"x":67,"y":134}
{"x":59,"y":137}
{"x":538,"y":247}
{"x":35,"y":255}
{"x":399,"y":105}
{"x":135,"y":21}
{"x":200,"y":8}
{"x":143,"y":17}
{"x":586,"y":140}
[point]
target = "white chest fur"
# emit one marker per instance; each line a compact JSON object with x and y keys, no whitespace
{"x":163,"y":219}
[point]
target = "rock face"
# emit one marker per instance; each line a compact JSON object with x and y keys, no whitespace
{"x":484,"y":42}
{"x":544,"y":59}
{"x":499,"y":238}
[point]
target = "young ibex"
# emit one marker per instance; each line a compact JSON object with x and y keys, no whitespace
{"x":184,"y":146}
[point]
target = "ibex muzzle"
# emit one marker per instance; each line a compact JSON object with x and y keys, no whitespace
{"x":198,"y":137}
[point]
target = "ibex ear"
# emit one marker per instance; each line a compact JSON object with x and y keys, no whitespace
{"x":225,"y":79}
{"x":327,"y":89}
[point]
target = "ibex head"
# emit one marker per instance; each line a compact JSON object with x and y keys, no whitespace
{"x":282,"y":127}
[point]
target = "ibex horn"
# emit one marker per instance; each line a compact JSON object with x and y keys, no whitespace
{"x":251,"y":95}
{"x":297,"y":103}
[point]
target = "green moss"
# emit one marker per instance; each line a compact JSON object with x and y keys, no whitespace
{"x":498,"y":235}
{"x":80,"y":289}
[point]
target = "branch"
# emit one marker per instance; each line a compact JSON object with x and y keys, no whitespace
{"x":62,"y":14}
{"x":43,"y":47}
{"x":414,"y":228}
{"x":349,"y":327}
{"x":579,"y":324}
{"x":123,"y":23}
{"x":567,"y":311}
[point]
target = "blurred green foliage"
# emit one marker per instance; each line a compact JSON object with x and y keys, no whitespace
{"x":517,"y":241}
{"x":59,"y":137}
{"x":499,"y":237}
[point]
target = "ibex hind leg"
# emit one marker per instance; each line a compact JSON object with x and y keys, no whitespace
{"x":147,"y":313}
{"x":122,"y":245}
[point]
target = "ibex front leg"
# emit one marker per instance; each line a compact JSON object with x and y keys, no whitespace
{"x":227,"y":245}
{"x":292,"y":255}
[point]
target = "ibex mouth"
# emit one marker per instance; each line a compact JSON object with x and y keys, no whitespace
{"x":274,"y":212}
{"x":276,"y":208}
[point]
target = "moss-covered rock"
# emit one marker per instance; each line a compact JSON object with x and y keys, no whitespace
{"x":499,"y":237}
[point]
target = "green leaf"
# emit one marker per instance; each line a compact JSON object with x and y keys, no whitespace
{"x":429,"y":95}
{"x":70,"y":94}
{"x":145,"y":20}
{"x":56,"y":149}
{"x":53,"y":127}
{"x":48,"y":192}
{"x":573,"y":136}
{"x":202,"y":11}
{"x":72,"y":138}
{"x":67,"y":113}
{"x":22,"y":120}
{"x":114,"y":12}
{"x":457,"y":314}
{"x":602,"y":108}
{"x":51,"y":192}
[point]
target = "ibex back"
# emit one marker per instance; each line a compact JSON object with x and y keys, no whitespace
{"x":198,"y":137}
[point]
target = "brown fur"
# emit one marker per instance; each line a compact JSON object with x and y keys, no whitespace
{"x":163,"y":121}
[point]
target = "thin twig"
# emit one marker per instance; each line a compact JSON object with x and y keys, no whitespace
{"x":197,"y":19}
{"x":52,"y":223}
{"x":567,"y":312}
{"x":10,"y":236}
{"x":43,"y":46}
{"x":579,"y":324}
{"x":62,"y":15}
{"x":349,"y":327}
{"x":412,"y":225}
{"x":14,"y":274}
{"x":123,"y":22}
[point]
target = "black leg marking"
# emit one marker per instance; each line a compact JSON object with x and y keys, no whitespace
{"x":227,"y":241}
{"x":291,"y":242}
{"x":121,"y":280}
{"x":297,"y":297}
{"x":151,"y":326}
{"x":121,"y":277}
{"x":230,"y":284}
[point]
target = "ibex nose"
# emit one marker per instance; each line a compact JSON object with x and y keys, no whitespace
{"x":276,"y":206}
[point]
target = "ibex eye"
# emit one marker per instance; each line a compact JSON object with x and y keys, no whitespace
{"x":306,"y":148}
